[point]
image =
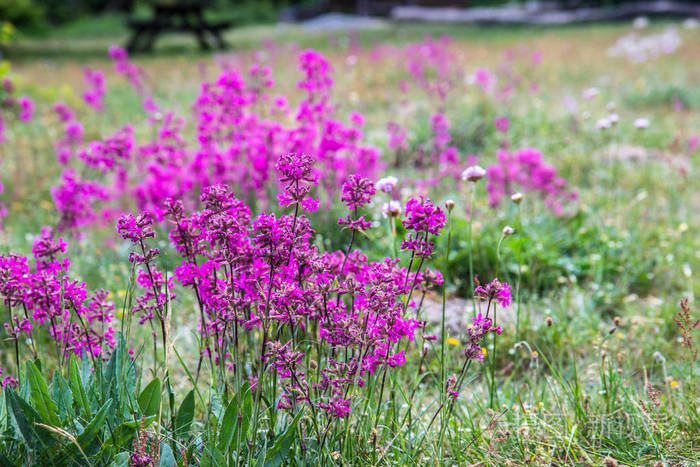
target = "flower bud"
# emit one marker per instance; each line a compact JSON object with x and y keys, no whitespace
{"x":450,"y":205}
{"x":516,"y":197}
{"x":508,"y":230}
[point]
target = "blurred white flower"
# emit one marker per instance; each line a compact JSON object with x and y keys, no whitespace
{"x":473,"y":173}
{"x":640,"y":22}
{"x":387,"y":184}
{"x":641,"y":123}
{"x":590,"y":93}
{"x":392,"y":208}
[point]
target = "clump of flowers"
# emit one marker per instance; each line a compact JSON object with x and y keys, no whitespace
{"x":42,"y":295}
{"x":263,"y":273}
{"x":526,"y":171}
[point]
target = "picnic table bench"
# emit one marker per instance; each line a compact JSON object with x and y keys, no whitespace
{"x":185,"y":16}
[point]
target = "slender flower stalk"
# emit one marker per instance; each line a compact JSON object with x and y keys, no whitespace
{"x":472,"y":175}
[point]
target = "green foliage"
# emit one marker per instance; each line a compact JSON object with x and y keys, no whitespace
{"x":22,"y":12}
{"x":85,"y":418}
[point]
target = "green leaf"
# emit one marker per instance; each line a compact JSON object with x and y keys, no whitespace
{"x":3,"y":412}
{"x":93,"y":428}
{"x":278,"y":452}
{"x":39,"y":394}
{"x":76,"y":383}
{"x":121,"y":460}
{"x":63,"y":396}
{"x":212,"y":457}
{"x":185,"y":415}
{"x":228,"y":425}
{"x":25,"y":419}
{"x":167,"y":459}
{"x":246,"y":415}
{"x":149,"y":399}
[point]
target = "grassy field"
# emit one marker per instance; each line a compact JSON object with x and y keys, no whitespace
{"x":591,"y":368}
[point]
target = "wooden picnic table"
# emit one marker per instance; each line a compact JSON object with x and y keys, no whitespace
{"x":184,"y":16}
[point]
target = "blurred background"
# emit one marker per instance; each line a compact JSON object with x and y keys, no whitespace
{"x":121,"y":19}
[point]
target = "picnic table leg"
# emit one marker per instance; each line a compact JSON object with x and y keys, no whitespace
{"x":220,"y":42}
{"x":132,"y":45}
{"x":150,"y":38}
{"x":203,"y":43}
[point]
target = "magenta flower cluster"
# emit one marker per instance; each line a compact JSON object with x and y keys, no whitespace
{"x":240,"y":131}
{"x":256,"y":274}
{"x":40,"y":294}
{"x":526,"y":171}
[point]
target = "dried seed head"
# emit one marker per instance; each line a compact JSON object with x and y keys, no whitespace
{"x":609,"y":462}
{"x":313,"y":364}
{"x":335,"y":455}
{"x":549,"y":321}
{"x":617,"y":320}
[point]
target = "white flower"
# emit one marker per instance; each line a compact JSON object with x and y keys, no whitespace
{"x":691,"y":23}
{"x":473,"y":173}
{"x":641,"y":123}
{"x":613,"y":118}
{"x":603,"y":124}
{"x":392,"y":208}
{"x":387,"y":184}
{"x":590,"y":93}
{"x":640,"y":22}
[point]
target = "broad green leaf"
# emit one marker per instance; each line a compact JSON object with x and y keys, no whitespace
{"x":39,"y":393}
{"x":76,"y":383}
{"x":93,"y":428}
{"x":228,"y":425}
{"x":280,"y":449}
{"x":167,"y":459}
{"x":121,"y":460}
{"x":149,"y":399}
{"x":185,"y":415}
{"x":63,"y":396}
{"x":25,"y":419}
{"x":212,"y":457}
{"x":246,"y":415}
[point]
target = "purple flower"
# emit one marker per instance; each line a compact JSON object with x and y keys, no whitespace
{"x":502,"y":123}
{"x":136,"y":229}
{"x":357,"y":192}
{"x":422,"y":216}
{"x":26,"y":106}
{"x":495,"y":290}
